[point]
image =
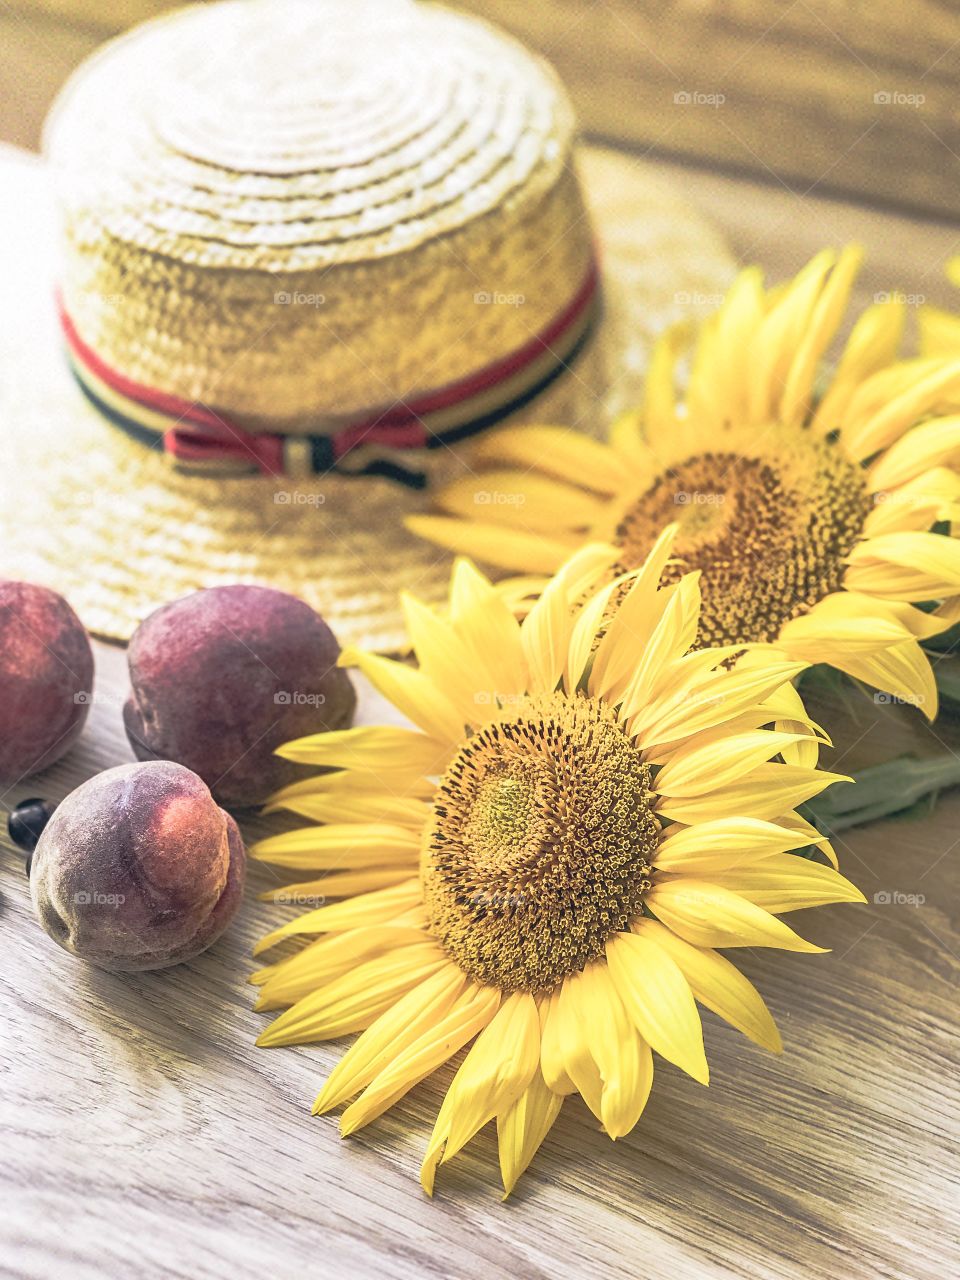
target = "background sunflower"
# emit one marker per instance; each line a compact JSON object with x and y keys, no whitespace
{"x":546,"y":864}
{"x":811,"y":504}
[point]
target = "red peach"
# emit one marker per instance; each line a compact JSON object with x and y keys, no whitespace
{"x":46,"y":679}
{"x":223,"y":677}
{"x":138,"y":868}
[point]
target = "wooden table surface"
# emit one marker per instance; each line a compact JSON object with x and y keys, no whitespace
{"x":144,"y":1135}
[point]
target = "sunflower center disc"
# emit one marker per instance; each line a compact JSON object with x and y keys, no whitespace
{"x":541,"y":844}
{"x":769,"y":528}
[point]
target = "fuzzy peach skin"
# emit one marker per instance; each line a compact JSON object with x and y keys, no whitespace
{"x":138,"y":868}
{"x":223,"y":677}
{"x":46,"y":679}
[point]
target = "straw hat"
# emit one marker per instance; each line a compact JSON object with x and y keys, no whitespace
{"x":301,"y":239}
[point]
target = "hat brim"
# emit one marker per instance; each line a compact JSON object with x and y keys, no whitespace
{"x":106,"y":520}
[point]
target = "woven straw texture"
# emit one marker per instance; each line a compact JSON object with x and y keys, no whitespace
{"x":286,"y":208}
{"x":107,"y":522}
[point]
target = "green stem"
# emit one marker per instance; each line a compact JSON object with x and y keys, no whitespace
{"x":883,"y":790}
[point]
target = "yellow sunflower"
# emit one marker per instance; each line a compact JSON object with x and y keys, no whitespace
{"x":808,"y":505}
{"x":546,"y":862}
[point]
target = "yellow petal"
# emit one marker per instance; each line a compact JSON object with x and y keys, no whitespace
{"x":355,"y":807}
{"x":339,"y":884}
{"x":351,"y":788}
{"x":492,"y":1077}
{"x":572,"y":1040}
{"x":571,"y":455}
{"x":412,"y":693}
{"x":905,"y":566}
{"x":785,"y":882}
{"x":923,"y":500}
{"x":673,"y":635}
{"x":921,"y":397}
{"x":817,"y":335}
{"x":780,"y":335}
{"x":697,"y":770}
{"x":793,"y":822}
{"x":659,"y":1001}
{"x":355,"y":999}
{"x":546,"y":630}
{"x":370,"y":749}
{"x":632,"y":624}
{"x":717,"y":984}
{"x":418,"y":1012}
{"x":718,"y":697}
{"x":522,"y":1128}
{"x":939,"y":332}
{"x":659,"y":409}
{"x":709,"y":915}
{"x":506,"y":548}
{"x":553,"y":1030}
{"x":930,"y":444}
{"x":903,"y":672}
{"x":296,"y":976}
{"x":873,"y":344}
{"x":792,"y":718}
{"x":346,"y":844}
{"x":471,"y":1013}
{"x":766,"y":792}
{"x":725,"y":842}
{"x":366,"y":909}
{"x":489,"y":630}
{"x":622,"y":1058}
{"x":445,"y":659}
{"x":521,"y":500}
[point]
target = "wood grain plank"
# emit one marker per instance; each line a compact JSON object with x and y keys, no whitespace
{"x":812,"y":95}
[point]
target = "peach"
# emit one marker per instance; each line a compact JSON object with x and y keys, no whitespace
{"x":222,"y":677}
{"x":46,"y":679}
{"x":138,"y":868}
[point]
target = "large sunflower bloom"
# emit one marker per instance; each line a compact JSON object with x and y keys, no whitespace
{"x":545,"y":864}
{"x":809,"y":505}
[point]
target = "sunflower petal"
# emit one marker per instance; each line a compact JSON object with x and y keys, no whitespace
{"x":631,"y":626}
{"x":787,"y":883}
{"x":659,"y":1001}
{"x":366,"y":750}
{"x":369,"y":908}
{"x":347,"y":844}
{"x":903,"y":671}
{"x":419,"y":1011}
{"x":766,"y":792}
{"x":725,"y":842}
{"x":571,"y":455}
{"x":546,"y":630}
{"x":817,"y":335}
{"x":710,"y":915}
{"x":622,"y":1057}
{"x":522,"y":1128}
{"x":717,"y":984}
{"x":328,"y":958}
{"x":471,"y":1013}
{"x":492,"y":1077}
{"x":355,"y":999}
{"x":411,"y":692}
{"x":697,"y":770}
{"x":507,"y":548}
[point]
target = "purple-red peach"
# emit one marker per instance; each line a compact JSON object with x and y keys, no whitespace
{"x":46,"y":679}
{"x":138,"y":868}
{"x":223,"y":677}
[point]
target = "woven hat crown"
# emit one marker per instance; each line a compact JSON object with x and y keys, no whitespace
{"x":296,"y":211}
